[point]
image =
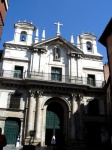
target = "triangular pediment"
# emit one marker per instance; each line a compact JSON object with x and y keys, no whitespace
{"x":58,"y":40}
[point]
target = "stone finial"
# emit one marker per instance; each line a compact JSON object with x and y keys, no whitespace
{"x":78,"y":42}
{"x":72,"y":39}
{"x":37,"y":36}
{"x":43,"y":35}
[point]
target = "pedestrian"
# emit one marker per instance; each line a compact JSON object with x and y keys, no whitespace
{"x":18,"y":141}
{"x":3,"y":141}
{"x":53,"y":141}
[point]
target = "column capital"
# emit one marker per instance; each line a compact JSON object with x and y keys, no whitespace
{"x":80,"y":97}
{"x":74,"y":96}
{"x":39,"y":93}
{"x":32,"y":93}
{"x":77,"y":97}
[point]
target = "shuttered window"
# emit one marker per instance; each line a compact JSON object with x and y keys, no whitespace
{"x":15,"y":101}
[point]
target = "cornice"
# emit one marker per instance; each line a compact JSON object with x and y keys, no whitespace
{"x":12,"y":109}
{"x":93,"y":57}
{"x":15,"y":59}
{"x":12,"y":46}
{"x":49,"y":86}
{"x":95,"y":69}
{"x":17,"y":46}
{"x":75,"y":54}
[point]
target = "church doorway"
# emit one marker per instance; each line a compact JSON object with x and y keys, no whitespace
{"x":54,"y":123}
{"x":12,"y":129}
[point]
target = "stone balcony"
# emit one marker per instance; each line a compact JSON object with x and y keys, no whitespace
{"x":41,"y":76}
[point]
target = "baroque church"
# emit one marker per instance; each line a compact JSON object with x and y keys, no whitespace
{"x":52,"y":87}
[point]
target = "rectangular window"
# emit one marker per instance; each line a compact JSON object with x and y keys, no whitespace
{"x":56,"y":74}
{"x":15,"y":101}
{"x":18,"y":72}
{"x":91,"y":80}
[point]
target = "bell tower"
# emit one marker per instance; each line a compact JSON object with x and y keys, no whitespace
{"x":87,"y":43}
{"x":23,"y":33}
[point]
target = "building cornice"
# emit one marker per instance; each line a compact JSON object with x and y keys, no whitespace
{"x":106,"y":33}
{"x":93,"y":69}
{"x":93,"y":57}
{"x":12,"y":45}
{"x":49,"y":86}
{"x":15,"y":59}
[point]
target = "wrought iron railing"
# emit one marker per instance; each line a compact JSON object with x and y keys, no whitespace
{"x":51,"y":77}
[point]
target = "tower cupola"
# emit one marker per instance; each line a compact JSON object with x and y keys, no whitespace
{"x":87,"y":43}
{"x":23,"y":33}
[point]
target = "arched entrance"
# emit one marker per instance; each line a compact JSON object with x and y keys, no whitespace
{"x":12,"y":128}
{"x":54,"y":122}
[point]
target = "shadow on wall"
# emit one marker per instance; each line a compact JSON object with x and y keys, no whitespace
{"x":90,"y":125}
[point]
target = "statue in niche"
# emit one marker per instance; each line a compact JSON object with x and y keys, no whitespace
{"x":56,"y":53}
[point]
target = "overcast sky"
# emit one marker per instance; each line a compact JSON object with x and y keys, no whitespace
{"x":77,"y":16}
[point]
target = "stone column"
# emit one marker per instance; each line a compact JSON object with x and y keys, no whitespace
{"x":73,"y":110}
{"x":38,"y":116}
{"x":30,"y":121}
{"x":80,"y":116}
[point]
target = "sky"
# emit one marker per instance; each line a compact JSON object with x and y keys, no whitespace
{"x":77,"y":16}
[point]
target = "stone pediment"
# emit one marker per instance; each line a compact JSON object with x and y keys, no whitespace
{"x":58,"y":41}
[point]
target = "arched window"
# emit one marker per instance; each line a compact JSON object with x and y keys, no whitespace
{"x":56,"y":54}
{"x":23,"y":36}
{"x":89,"y":46}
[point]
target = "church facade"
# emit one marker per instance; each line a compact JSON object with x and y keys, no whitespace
{"x":53,"y":88}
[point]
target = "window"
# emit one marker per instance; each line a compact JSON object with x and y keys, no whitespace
{"x":56,"y":74}
{"x":23,"y":36}
{"x":89,"y":46}
{"x":91,"y":80}
{"x":56,"y":54}
{"x":15,"y":100}
{"x":18,"y":72}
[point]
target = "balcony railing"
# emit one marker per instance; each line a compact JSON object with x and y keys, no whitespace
{"x":48,"y":77}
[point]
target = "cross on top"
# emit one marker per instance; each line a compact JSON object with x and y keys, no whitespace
{"x":58,"y":28}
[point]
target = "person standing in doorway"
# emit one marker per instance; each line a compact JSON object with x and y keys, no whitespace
{"x":3,"y":141}
{"x":53,"y":141}
{"x":18,"y":141}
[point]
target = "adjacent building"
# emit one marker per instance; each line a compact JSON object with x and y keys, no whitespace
{"x":3,"y":10}
{"x":106,"y":40}
{"x":52,"y":87}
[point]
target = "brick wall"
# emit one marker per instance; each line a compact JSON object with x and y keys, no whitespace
{"x":106,"y":71}
{"x":109,"y":52}
{"x":2,"y":15}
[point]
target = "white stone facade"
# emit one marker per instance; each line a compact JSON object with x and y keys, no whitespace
{"x":37,"y":75}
